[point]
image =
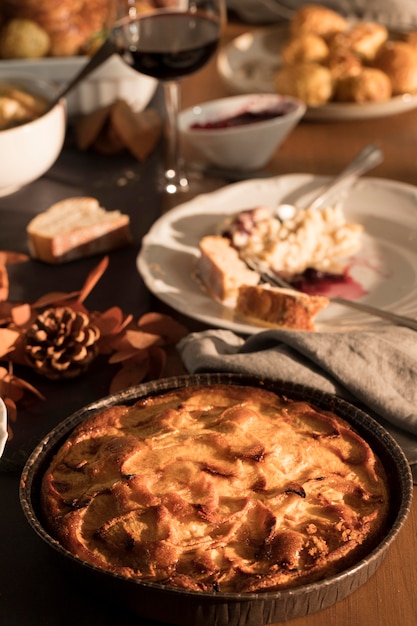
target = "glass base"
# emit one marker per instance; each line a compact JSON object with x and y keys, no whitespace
{"x":175,"y":182}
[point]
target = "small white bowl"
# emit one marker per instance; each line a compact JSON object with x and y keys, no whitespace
{"x":247,"y":146}
{"x":30,"y":149}
{"x":3,"y":426}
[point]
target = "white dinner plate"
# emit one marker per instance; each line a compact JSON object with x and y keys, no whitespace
{"x":386,"y":266}
{"x":248,"y":64}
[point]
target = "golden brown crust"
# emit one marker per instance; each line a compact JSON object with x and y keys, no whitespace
{"x":317,"y":19}
{"x":342,"y":62}
{"x":309,"y":81}
{"x":308,"y":47}
{"x":225,"y":488}
{"x":368,"y":85}
{"x":363,"y":39}
{"x":398,"y":59}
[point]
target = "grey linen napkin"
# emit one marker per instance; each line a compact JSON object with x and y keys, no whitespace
{"x":374,"y":369}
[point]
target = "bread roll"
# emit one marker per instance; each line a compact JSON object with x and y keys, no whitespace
{"x":369,"y":85}
{"x":310,"y":82}
{"x":364,"y":39}
{"x":317,"y":19}
{"x":343,"y":62}
{"x":398,"y":59}
{"x":76,"y":228}
{"x":307,"y":47}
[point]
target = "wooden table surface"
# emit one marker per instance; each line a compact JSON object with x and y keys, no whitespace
{"x":389,"y":598}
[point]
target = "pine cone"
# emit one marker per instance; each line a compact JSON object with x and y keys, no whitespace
{"x":61,"y":343}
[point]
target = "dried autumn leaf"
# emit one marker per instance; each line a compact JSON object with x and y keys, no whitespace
{"x":17,"y":356}
{"x":5,"y":313}
{"x":157,"y":362}
{"x":8,"y":257}
{"x":11,"y":408}
{"x":109,"y":344}
{"x":11,"y":415}
{"x":4,"y":283}
{"x":54,"y":298}
{"x":132,"y":373}
{"x":14,"y":387}
{"x":93,"y":278}
{"x":163,"y":325}
{"x":126,"y":355}
{"x":88,"y":126}
{"x":139,"y":130}
{"x":114,"y":343}
{"x":8,"y":387}
{"x":111,"y":326}
{"x":21,"y":314}
{"x":8,"y":338}
{"x":136,"y":346}
{"x":112,"y":321}
{"x":142,"y":340}
{"x":28,"y":387}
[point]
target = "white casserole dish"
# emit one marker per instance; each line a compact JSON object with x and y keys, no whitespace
{"x":114,"y":79}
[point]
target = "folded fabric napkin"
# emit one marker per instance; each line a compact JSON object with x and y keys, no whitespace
{"x":374,"y":369}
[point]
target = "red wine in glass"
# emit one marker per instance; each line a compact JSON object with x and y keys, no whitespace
{"x":169,"y":44}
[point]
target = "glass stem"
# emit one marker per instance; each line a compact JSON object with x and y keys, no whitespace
{"x":176,"y":179}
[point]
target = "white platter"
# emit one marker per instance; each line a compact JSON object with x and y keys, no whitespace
{"x":386,"y":267}
{"x":114,"y":79}
{"x":248,"y":63}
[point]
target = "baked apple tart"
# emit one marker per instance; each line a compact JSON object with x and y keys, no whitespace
{"x":228,"y":488}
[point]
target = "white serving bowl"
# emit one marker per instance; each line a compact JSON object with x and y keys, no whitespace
{"x":29,"y":150}
{"x":112,"y":80}
{"x":247,"y":146}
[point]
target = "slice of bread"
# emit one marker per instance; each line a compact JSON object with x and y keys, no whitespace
{"x":275,"y":306}
{"x":221,"y":270}
{"x":74,"y":228}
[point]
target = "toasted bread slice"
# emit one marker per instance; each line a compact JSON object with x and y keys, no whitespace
{"x":74,"y":228}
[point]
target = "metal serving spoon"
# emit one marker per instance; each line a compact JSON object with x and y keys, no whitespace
{"x":106,"y":50}
{"x":368,"y":158}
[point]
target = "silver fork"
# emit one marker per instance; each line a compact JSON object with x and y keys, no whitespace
{"x":273,"y":279}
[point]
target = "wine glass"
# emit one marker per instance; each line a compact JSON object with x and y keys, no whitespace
{"x":169,"y":39}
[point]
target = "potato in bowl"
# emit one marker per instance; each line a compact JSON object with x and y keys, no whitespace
{"x":31,"y":134}
{"x":18,"y":106}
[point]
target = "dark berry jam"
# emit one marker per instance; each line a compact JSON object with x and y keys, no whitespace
{"x":315,"y":282}
{"x":243,"y":118}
